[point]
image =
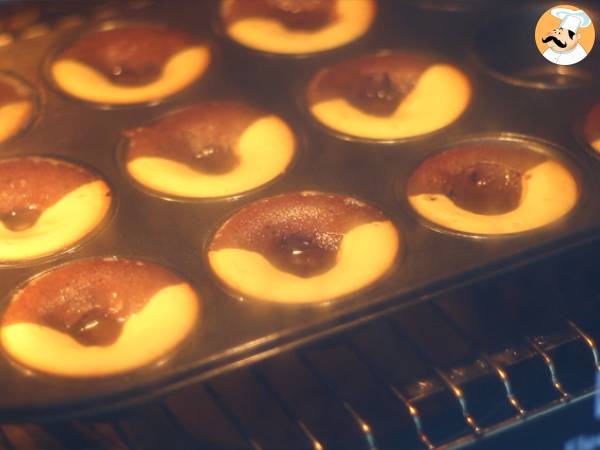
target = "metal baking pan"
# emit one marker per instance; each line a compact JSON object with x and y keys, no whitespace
{"x":175,"y":233}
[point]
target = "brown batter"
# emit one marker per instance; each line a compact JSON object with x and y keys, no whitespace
{"x":481,"y":178}
{"x":132,"y":55}
{"x":8,"y":93}
{"x":297,"y":232}
{"x":376,"y":84}
{"x":202,"y":136}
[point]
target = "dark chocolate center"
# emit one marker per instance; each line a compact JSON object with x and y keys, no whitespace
{"x":377,"y":94}
{"x":127,"y":72}
{"x":20,"y":219}
{"x":303,"y":255}
{"x":96,"y":327}
{"x":8,"y":93}
{"x":303,"y":13}
{"x":214,"y":158}
{"x":485,"y":188}
{"x":205,"y":154}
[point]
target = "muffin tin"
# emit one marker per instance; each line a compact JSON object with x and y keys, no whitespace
{"x":176,"y":233}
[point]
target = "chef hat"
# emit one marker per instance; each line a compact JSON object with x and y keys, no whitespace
{"x":571,"y":19}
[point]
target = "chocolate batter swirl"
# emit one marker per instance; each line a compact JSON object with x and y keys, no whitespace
{"x":30,"y":185}
{"x":131,"y":55}
{"x":481,"y":178}
{"x":376,"y":84}
{"x":299,"y":232}
{"x":300,"y":14}
{"x":203,"y":136}
{"x":89,"y":299}
{"x":9,"y":93}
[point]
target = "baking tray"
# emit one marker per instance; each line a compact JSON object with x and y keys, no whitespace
{"x":175,"y":233}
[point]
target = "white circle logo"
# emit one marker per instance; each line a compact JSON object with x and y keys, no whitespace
{"x":565,"y":35}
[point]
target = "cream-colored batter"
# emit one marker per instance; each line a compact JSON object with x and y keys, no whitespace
{"x":13,"y":117}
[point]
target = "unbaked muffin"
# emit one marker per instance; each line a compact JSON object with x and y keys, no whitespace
{"x":303,"y":247}
{"x":295,"y":27}
{"x":492,"y":188}
{"x":130,"y":64}
{"x":46,"y":206}
{"x":98,"y":317}
{"x":210,"y":149}
{"x":388,"y":95}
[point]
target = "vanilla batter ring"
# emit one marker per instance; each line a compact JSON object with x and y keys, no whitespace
{"x":353,"y":19}
{"x":440,"y":96}
{"x":264,"y":150}
{"x":13,"y":117}
{"x":84,"y":82}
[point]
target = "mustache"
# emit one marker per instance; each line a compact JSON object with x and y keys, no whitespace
{"x":556,"y":41}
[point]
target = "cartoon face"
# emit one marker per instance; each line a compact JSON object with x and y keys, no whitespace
{"x":561,"y":40}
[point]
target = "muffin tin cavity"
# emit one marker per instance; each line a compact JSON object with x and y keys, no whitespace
{"x":97,"y":317}
{"x":207,"y":150}
{"x":128,"y":63}
{"x":48,"y":207}
{"x":303,"y":247}
{"x":387,"y":96}
{"x":297,"y":27}
{"x":493,"y":187}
